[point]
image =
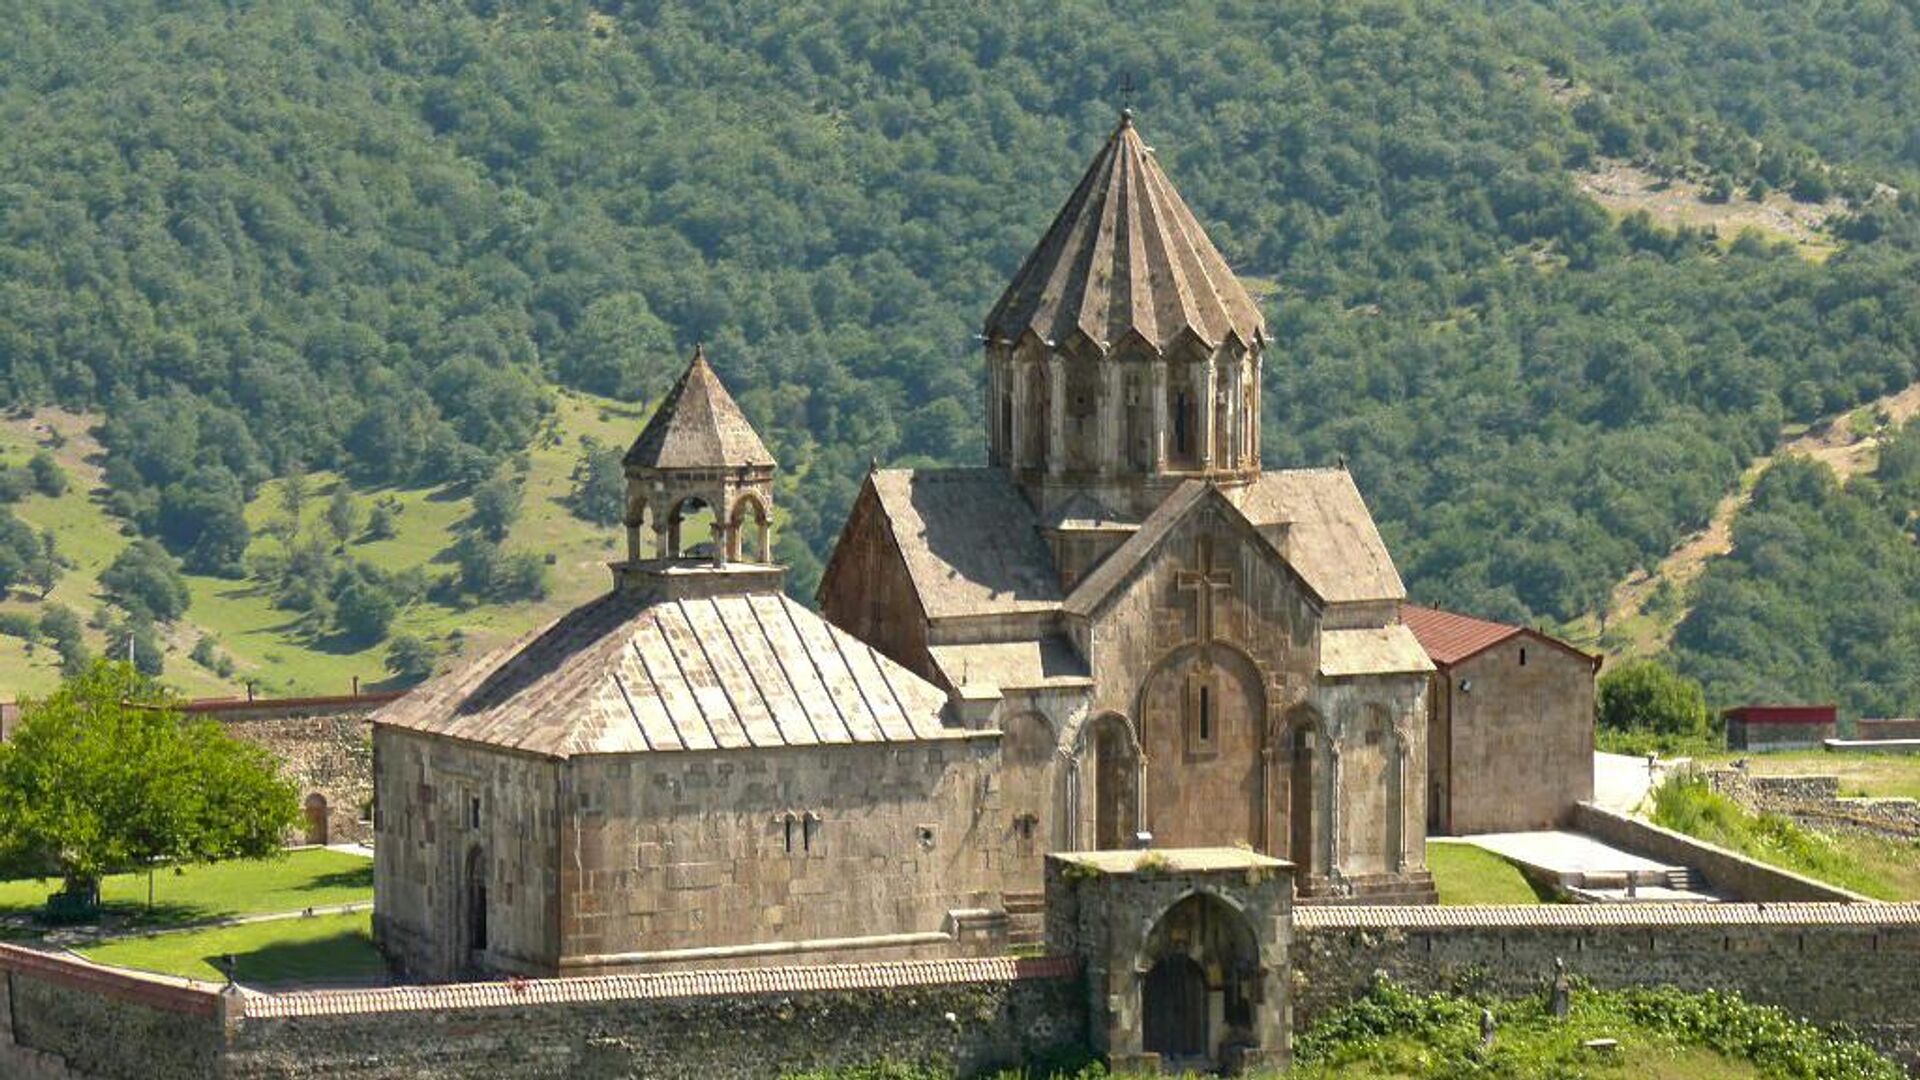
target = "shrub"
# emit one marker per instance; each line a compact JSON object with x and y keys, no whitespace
{"x":1647,"y":696}
{"x":49,"y":478}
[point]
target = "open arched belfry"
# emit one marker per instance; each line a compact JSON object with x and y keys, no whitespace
{"x":1174,"y":640}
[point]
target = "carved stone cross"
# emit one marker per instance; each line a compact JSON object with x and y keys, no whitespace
{"x":1203,"y":581}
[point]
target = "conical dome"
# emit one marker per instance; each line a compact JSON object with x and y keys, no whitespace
{"x":698,"y":426}
{"x":1125,"y":254}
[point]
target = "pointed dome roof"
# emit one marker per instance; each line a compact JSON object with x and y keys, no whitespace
{"x":698,"y":426}
{"x":1125,"y":254}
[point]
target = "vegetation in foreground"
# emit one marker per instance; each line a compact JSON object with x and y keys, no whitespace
{"x":1465,"y":874}
{"x":1661,"y":1035}
{"x":1882,"y":868}
{"x":1392,"y":1032}
{"x":321,"y":949}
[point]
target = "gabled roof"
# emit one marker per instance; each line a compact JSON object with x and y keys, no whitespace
{"x":1126,"y":255}
{"x":1450,"y":637}
{"x":622,"y":675}
{"x":698,"y":426}
{"x":1330,"y":536}
{"x":970,"y":541}
{"x":1093,"y":591}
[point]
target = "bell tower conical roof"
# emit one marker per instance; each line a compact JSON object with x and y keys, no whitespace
{"x":698,"y":426}
{"x":1125,"y":254}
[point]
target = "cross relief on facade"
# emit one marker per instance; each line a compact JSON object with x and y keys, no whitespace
{"x":1204,"y":580}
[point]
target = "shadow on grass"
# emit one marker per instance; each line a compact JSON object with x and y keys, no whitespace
{"x":348,"y":957}
{"x":360,"y":877}
{"x":118,"y":915}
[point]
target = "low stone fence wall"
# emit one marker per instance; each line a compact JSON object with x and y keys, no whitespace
{"x":1830,"y":963}
{"x":69,"y":1019}
{"x":1729,"y":873}
{"x":1897,"y":728}
{"x":1815,"y":801}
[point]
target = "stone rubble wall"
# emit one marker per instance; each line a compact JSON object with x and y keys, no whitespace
{"x":328,"y":755}
{"x":1829,"y":963}
{"x":1816,"y":802}
{"x":66,"y":1019}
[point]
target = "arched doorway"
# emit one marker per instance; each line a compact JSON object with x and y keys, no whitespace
{"x":1174,"y":1008}
{"x":1201,"y":981}
{"x":1202,"y":720}
{"x":1116,"y":775}
{"x":474,"y":926}
{"x":1026,"y":758}
{"x":316,"y":819}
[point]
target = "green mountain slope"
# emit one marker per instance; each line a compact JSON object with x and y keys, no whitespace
{"x":368,"y":238}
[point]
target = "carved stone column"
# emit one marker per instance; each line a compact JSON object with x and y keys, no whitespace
{"x":1158,"y":436}
{"x":1208,"y":407}
{"x":1056,"y":414}
{"x":1113,"y":417}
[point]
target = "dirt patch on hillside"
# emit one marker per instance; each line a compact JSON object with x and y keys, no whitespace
{"x":1625,"y":189}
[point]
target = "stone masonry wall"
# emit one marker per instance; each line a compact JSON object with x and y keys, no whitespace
{"x":1815,"y":801}
{"x":1830,"y":963}
{"x":1519,"y":742}
{"x":64,"y":1019}
{"x":1729,"y":873}
{"x":329,"y":756}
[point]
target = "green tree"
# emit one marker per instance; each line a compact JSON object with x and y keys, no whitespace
{"x":144,"y":579}
{"x":382,"y":523}
{"x":1648,"y":696}
{"x":49,"y":478}
{"x":343,"y":514}
{"x":410,"y":658}
{"x":496,"y":506}
{"x":106,"y":775}
{"x":364,"y":609}
{"x":599,"y":491}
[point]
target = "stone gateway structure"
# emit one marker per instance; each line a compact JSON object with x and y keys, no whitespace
{"x":1175,"y":641}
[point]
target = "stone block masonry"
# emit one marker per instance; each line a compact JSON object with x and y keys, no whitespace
{"x":1830,"y":963}
{"x":70,"y":1020}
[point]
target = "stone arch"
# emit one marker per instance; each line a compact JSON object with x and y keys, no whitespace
{"x":1202,"y":714}
{"x":640,"y":522}
{"x":678,"y":515}
{"x":1305,"y":746}
{"x":1027,"y":746}
{"x":1201,"y":981}
{"x":750,"y":507}
{"x":315,"y":811}
{"x":1110,"y":749}
{"x":474,"y":912}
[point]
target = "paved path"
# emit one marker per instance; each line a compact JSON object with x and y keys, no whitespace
{"x":1621,"y":781}
{"x":87,"y":936}
{"x":1587,"y":868}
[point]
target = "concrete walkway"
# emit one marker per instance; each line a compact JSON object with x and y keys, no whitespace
{"x":1621,"y":782}
{"x":1591,"y":870}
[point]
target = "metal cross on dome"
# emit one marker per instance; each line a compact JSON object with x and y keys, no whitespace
{"x":1203,"y":581}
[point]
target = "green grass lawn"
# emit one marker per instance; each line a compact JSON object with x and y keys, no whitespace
{"x":1465,"y":874}
{"x":1882,"y":868}
{"x":1409,"y":1057}
{"x":325,"y":948}
{"x":301,"y":879}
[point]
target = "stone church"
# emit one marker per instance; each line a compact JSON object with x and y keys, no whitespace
{"x":1177,"y":644}
{"x":1121,"y":632}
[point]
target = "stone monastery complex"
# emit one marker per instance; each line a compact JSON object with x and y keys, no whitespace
{"x":1121,"y":632}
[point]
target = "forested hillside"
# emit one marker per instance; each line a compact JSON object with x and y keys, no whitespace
{"x":369,"y":237}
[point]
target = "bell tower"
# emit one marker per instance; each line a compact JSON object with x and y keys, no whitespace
{"x":1125,"y":356}
{"x":698,"y":461}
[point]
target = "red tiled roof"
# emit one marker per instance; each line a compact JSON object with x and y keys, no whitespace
{"x":1450,"y":637}
{"x":1784,"y":714}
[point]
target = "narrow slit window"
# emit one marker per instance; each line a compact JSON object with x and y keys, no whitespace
{"x":1523,"y":656}
{"x":1206,"y":712}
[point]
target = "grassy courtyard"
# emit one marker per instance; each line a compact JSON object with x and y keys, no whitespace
{"x":1465,"y":874}
{"x":294,"y":882}
{"x":322,"y":949}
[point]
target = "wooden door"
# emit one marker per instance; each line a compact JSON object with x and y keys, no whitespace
{"x":1175,"y":1009}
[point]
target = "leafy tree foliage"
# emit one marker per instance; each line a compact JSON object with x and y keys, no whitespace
{"x":410,"y":658}
{"x":373,"y":246}
{"x":105,"y":775}
{"x":343,"y":514}
{"x":144,"y":579}
{"x":496,"y":506}
{"x":25,"y":556}
{"x":1819,"y":600}
{"x":49,"y":478}
{"x":599,"y":491}
{"x":1648,"y":696}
